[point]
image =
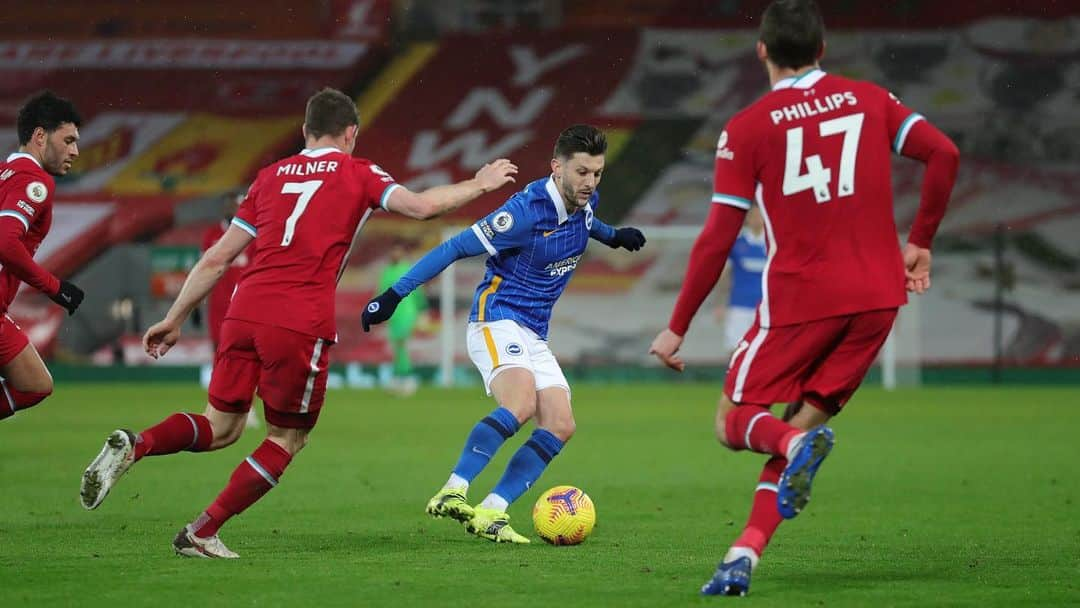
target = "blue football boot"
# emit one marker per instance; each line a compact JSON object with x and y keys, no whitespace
{"x":731,"y":578}
{"x":794,"y":487}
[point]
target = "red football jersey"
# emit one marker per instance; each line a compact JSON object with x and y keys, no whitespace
{"x":26,"y":195}
{"x":218,"y":302}
{"x":815,"y":155}
{"x":303,"y":212}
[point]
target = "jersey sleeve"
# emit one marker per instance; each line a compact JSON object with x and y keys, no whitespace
{"x":377,"y":184}
{"x":507,"y":227}
{"x":25,"y":200}
{"x":246,"y":215}
{"x":899,"y":119}
{"x":733,"y":177}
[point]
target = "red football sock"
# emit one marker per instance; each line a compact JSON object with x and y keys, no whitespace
{"x":256,"y":476}
{"x":177,"y":433}
{"x":764,"y":516}
{"x":12,"y":400}
{"x":752,"y":427}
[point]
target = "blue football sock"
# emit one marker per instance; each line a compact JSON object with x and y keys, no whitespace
{"x":527,"y":464}
{"x":484,"y":440}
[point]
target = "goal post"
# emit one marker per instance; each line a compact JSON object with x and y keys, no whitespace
{"x":610,"y":319}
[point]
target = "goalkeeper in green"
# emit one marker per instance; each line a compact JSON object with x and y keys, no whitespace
{"x":403,"y":323}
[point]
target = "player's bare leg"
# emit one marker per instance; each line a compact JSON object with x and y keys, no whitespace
{"x":514,"y":389}
{"x":555,"y":426}
{"x":733,"y":574}
{"x":256,"y":475}
{"x":213,"y":430}
{"x":24,"y":382}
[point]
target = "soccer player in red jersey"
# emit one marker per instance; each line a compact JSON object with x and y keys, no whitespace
{"x":217,"y":303}
{"x":815,"y":155}
{"x":302,"y":212}
{"x":48,"y":129}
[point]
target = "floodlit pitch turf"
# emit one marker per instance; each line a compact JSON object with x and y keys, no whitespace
{"x":931,"y":497}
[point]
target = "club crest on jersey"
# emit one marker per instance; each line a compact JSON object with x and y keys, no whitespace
{"x":513,"y":349}
{"x":721,"y":147}
{"x":37,"y":192}
{"x":502,"y":221}
{"x":377,"y":170}
{"x":373,"y":307}
{"x":588,"y":217}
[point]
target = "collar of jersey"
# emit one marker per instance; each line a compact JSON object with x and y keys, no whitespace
{"x":556,"y":199}
{"x":804,"y":81}
{"x":316,"y":153}
{"x":15,"y":155}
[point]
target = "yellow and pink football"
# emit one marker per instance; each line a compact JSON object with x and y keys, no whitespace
{"x":564,"y":515}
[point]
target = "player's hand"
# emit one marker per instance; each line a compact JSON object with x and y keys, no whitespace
{"x":630,"y":239}
{"x":380,"y":309}
{"x":69,"y":296}
{"x":496,"y":174}
{"x":665,"y":347}
{"x":160,"y":338}
{"x":916,"y":268}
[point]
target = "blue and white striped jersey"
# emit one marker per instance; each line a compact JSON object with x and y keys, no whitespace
{"x":747,"y":258}
{"x":534,"y":247}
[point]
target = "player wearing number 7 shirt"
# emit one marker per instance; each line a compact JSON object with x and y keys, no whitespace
{"x":303,"y":213}
{"x":815,"y":155}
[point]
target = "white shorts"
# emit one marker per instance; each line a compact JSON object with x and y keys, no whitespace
{"x":500,"y":345}
{"x":737,"y":321}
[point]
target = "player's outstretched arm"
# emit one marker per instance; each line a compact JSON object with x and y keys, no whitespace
{"x":381,"y":308}
{"x":436,"y":201}
{"x":203,"y":276}
{"x":15,"y":257}
{"x":702,"y":271}
{"x":630,"y":239}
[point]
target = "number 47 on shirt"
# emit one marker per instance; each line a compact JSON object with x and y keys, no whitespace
{"x":817,"y":177}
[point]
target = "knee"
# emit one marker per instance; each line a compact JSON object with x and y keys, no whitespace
{"x":46,"y":388}
{"x":299,"y":441}
{"x":523,"y":408}
{"x":292,"y":440}
{"x":563,"y":429}
{"x":225,"y":435}
{"x":721,"y":422}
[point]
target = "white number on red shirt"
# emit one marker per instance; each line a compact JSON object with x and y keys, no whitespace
{"x":817,"y":177}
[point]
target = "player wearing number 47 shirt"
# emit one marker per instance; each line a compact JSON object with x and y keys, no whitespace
{"x":535,"y":242}
{"x":814,"y":153}
{"x":48,"y":129}
{"x":303,"y":213}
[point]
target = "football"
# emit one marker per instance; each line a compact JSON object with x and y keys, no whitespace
{"x":564,"y":515}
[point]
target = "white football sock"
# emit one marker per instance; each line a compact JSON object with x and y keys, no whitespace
{"x":494,"y":501}
{"x":735,"y":553}
{"x":793,"y":446}
{"x":456,"y":482}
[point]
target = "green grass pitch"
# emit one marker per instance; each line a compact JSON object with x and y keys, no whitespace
{"x":932,"y":497}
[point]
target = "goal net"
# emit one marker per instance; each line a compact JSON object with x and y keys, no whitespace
{"x":616,"y":303}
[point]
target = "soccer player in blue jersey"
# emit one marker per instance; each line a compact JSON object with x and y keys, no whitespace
{"x":535,"y":241}
{"x":745,"y":264}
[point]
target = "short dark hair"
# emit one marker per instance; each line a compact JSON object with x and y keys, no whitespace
{"x":580,"y":138}
{"x":45,"y":110}
{"x":330,"y":112}
{"x":793,"y":32}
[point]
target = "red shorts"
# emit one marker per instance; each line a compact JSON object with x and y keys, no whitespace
{"x":288,"y":368}
{"x":12,"y":340}
{"x":821,"y":362}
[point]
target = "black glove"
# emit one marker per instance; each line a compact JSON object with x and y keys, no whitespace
{"x":69,"y":297}
{"x":380,"y":309}
{"x":630,"y":239}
